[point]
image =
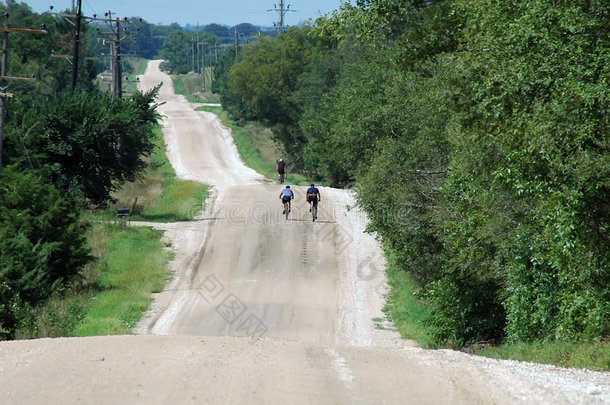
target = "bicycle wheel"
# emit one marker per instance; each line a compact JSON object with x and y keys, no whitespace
{"x":313,"y":214}
{"x":286,"y":210}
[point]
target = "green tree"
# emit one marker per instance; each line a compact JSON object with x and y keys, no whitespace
{"x":42,"y":244}
{"x":533,"y":151}
{"x":32,"y":55}
{"x":179,"y":48}
{"x":264,"y":79}
{"x":219,"y":31}
{"x":89,"y":142}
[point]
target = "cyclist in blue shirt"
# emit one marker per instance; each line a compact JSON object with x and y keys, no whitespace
{"x":286,"y":196}
{"x":313,"y":197}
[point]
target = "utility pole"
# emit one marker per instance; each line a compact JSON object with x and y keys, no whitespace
{"x":197,"y":48}
{"x":282,"y":12}
{"x":117,"y":86}
{"x":236,"y":45}
{"x":115,"y":48}
{"x":75,"y":51}
{"x":203,"y":72}
{"x":194,"y":54}
{"x":4,"y":78}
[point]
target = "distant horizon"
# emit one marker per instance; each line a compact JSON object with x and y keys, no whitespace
{"x":261,"y":13}
{"x":194,"y":26}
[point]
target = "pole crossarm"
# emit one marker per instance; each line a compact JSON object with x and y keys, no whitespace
{"x":124,"y":41}
{"x":17,"y":79}
{"x":24,"y":30}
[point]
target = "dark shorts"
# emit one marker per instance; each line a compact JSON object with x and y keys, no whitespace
{"x":314,"y":201}
{"x":286,"y":199}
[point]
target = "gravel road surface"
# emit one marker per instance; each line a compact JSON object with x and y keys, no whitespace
{"x":266,"y":310}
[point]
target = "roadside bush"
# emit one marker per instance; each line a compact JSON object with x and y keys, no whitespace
{"x":42,"y":244}
{"x":465,"y":310}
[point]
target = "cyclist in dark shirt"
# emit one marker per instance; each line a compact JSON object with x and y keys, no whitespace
{"x":281,"y":169}
{"x":313,"y":197}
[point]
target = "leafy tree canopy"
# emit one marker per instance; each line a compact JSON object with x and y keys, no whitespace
{"x":89,"y":142}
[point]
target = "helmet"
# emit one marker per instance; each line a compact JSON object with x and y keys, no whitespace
{"x":287,"y":186}
{"x":281,"y":160}
{"x":312,"y":185}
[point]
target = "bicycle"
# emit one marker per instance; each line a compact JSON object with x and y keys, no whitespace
{"x":314,"y":211}
{"x":313,"y":197}
{"x":286,"y":208}
{"x":286,"y":196}
{"x":282,"y":177}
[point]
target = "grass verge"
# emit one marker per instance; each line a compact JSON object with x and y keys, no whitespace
{"x":134,"y":267}
{"x":139,"y":67}
{"x":593,"y":356}
{"x":116,"y":289}
{"x":403,"y":307}
{"x":134,"y":262}
{"x":158,"y":195}
{"x":191,"y":87}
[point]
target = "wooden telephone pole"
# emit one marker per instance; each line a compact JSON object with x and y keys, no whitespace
{"x":75,"y":51}
{"x":115,"y":41}
{"x":115,"y":49}
{"x":4,"y":78}
{"x":282,"y":12}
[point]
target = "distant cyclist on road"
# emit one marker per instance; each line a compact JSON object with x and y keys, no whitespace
{"x":281,"y":170}
{"x":313,"y":197}
{"x":286,"y":196}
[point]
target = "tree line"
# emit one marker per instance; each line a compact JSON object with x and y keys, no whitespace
{"x":62,"y":154}
{"x":475,"y":134}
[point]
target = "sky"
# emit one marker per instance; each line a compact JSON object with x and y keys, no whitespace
{"x":226,"y":12}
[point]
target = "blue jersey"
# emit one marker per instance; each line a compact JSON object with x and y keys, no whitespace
{"x":286,"y":193}
{"x":313,"y":192}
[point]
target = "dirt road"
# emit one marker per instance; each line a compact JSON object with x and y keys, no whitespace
{"x":267,"y":310}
